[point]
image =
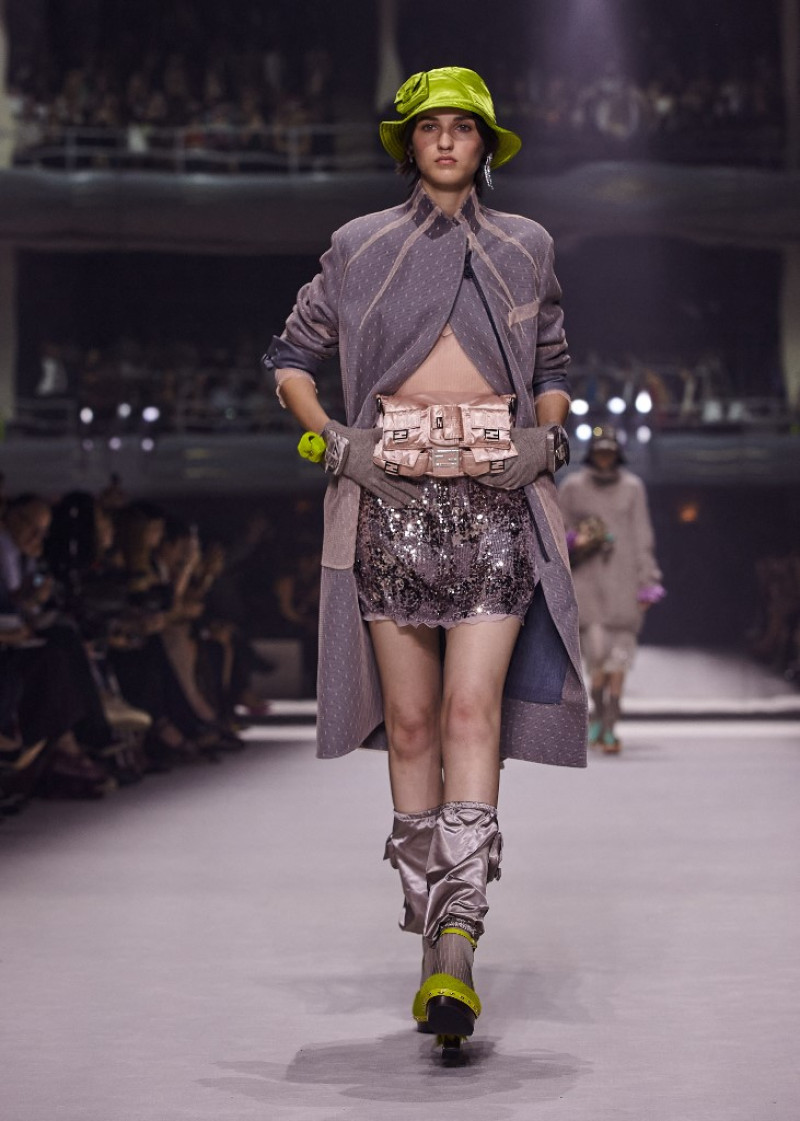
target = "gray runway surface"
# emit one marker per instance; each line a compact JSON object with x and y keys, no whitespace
{"x":220,"y":943}
{"x":668,"y":681}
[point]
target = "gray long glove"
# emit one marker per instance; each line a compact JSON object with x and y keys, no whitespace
{"x":541,"y":449}
{"x":349,"y":453}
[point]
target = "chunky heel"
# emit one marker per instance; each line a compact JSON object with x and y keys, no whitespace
{"x":452,"y":1055}
{"x":449,"y":1016}
{"x":446,"y":1006}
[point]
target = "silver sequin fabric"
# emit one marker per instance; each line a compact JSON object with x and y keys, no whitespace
{"x":460,"y":552}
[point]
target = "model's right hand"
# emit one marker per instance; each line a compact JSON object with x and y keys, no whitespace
{"x":532,"y":459}
{"x":359,"y":466}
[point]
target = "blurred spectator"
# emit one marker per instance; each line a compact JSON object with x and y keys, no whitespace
{"x":54,"y":381}
{"x":613,"y":106}
{"x":775,"y":638}
{"x":25,"y":524}
{"x":187,"y":68}
{"x":58,"y":700}
{"x":297,"y":596}
{"x":291,"y":136}
{"x":227,"y":596}
{"x":117,"y":658}
{"x":295,"y":584}
{"x":113,"y":497}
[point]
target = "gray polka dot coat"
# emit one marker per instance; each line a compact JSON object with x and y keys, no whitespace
{"x":387,"y":286}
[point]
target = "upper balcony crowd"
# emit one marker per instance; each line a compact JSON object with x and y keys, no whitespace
{"x":191,"y":85}
{"x":196,"y":93}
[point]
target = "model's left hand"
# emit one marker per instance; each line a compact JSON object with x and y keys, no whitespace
{"x":532,"y":460}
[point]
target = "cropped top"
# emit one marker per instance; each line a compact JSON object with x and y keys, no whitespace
{"x":447,"y":374}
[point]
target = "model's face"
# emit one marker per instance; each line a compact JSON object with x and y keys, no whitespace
{"x":447,"y":148}
{"x":604,"y":459}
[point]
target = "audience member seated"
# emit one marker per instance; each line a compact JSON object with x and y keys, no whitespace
{"x":199,"y":98}
{"x":775,"y":638}
{"x":296,"y":589}
{"x":59,"y":702}
{"x":116,"y":658}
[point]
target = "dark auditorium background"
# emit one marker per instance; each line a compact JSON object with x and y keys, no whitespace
{"x":170,"y":173}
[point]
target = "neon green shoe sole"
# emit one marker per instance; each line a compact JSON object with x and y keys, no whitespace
{"x":446,"y":1006}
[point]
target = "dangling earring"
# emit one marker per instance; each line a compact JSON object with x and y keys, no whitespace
{"x":487,"y":173}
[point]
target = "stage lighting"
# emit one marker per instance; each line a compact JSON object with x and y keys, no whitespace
{"x":151,"y":414}
{"x":87,"y":416}
{"x":584,"y":431}
{"x":644,"y":402}
{"x":148,"y":444}
{"x":616,"y":406}
{"x":644,"y":434}
{"x":579,"y":407}
{"x":124,"y":410}
{"x":115,"y":443}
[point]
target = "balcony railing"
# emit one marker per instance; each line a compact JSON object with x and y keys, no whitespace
{"x":354,"y":146}
{"x":213,"y":148}
{"x":67,"y":417}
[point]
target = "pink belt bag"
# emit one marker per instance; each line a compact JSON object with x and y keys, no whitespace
{"x":445,"y":440}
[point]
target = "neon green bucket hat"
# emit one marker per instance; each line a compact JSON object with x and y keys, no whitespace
{"x":448,"y":87}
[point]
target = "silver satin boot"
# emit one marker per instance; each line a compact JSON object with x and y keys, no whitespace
{"x":464,"y":856}
{"x":407,"y":850}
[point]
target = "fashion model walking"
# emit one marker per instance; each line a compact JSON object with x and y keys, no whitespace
{"x":448,"y":625}
{"x":617,"y":577}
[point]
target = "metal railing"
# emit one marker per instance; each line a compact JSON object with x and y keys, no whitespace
{"x":66,"y":417}
{"x":215,"y":148}
{"x":351,"y":146}
{"x":34,"y":416}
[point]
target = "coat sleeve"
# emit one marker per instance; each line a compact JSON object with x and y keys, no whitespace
{"x":569,"y":512}
{"x":311,"y":333}
{"x":552,"y":358}
{"x":647,"y":570}
{"x":566,"y":501}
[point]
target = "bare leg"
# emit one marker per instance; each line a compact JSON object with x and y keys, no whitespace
{"x":599,"y":683}
{"x":595,"y":646}
{"x":476,"y":664}
{"x":611,"y":709}
{"x":466,"y":843}
{"x":598,"y":689}
{"x":181,"y":650}
{"x":411,"y":677}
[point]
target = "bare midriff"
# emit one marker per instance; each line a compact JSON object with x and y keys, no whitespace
{"x":447,"y":375}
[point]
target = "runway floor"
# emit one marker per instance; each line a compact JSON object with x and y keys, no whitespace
{"x":220,"y":943}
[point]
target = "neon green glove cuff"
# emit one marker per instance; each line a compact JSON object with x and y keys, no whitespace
{"x":312,"y":447}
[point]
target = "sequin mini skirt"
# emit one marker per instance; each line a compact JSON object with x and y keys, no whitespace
{"x":459,"y":553}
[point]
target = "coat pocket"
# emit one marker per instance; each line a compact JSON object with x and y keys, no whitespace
{"x":342,"y":500}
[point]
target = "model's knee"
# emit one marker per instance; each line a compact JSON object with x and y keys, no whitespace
{"x":411,"y":733}
{"x":468,"y":716}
